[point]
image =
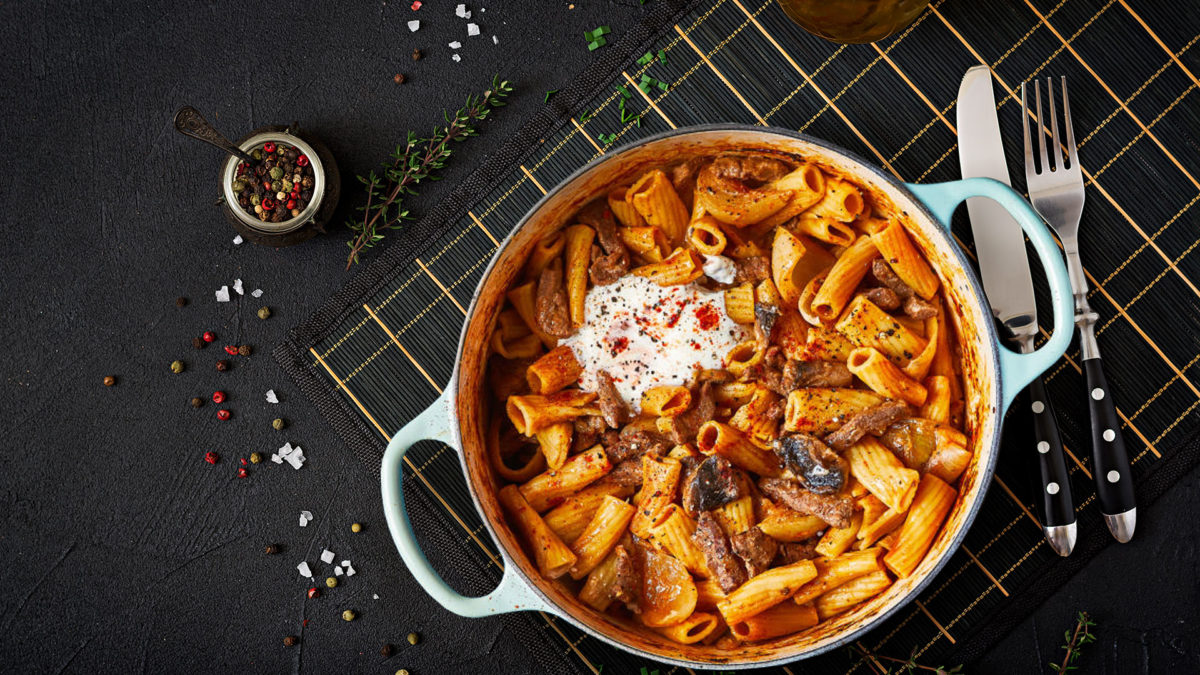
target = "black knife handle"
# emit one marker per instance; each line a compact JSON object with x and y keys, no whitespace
{"x":1111,"y":469}
{"x":1057,"y":506}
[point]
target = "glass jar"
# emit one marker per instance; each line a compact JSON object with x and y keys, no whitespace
{"x":853,"y":21}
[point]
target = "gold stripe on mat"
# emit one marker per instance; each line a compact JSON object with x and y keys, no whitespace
{"x":479,"y":224}
{"x":719,"y":74}
{"x":649,"y":100}
{"x":1159,"y":41}
{"x":587,"y":136}
{"x":442,"y":286}
{"x":941,"y":628}
{"x":984,"y":569}
{"x":392,"y":335}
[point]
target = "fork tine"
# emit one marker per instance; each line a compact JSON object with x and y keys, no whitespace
{"x":1072,"y":151}
{"x":1030,"y":168}
{"x":1058,"y":158}
{"x":1043,"y":156}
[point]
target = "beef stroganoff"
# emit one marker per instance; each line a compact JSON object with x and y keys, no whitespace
{"x":728,"y":400}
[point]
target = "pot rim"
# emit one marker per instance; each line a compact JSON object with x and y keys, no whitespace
{"x":990,"y":344}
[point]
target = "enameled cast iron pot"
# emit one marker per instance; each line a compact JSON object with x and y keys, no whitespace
{"x":992,"y":376}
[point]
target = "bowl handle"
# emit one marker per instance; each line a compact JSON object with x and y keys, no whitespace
{"x":1016,"y":370}
{"x":513,"y":594}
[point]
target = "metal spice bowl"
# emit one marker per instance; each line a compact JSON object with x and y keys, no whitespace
{"x":313,"y":219}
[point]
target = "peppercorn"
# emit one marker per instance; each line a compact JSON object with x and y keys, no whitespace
{"x":231,"y":350}
{"x":276,"y":172}
{"x":402,"y":672}
{"x":197,"y":402}
{"x":209,"y":336}
{"x":413,"y":638}
{"x":398,"y":78}
{"x":416,"y":54}
{"x":331,"y":582}
{"x":348,"y":615}
{"x":218,"y":397}
{"x":212,"y":457}
{"x":386,"y":651}
{"x":356,"y":527}
{"x":272,"y":549}
{"x":255,"y":457}
{"x":244,"y":350}
{"x":177,"y":367}
{"x":314,"y":592}
{"x":180,"y":301}
{"x":291,"y":640}
{"x":242,"y":473}
{"x":223,"y":365}
{"x":268,"y":147}
{"x":264,"y":313}
{"x":256,"y":154}
{"x":224,"y":415}
{"x":198,"y":343}
{"x":109,"y":380}
{"x":278,"y":424}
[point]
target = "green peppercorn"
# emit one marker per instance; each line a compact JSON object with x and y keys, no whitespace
{"x":109,"y":380}
{"x":287,"y":185}
{"x":239,"y":185}
{"x":197,"y":402}
{"x":348,"y":615}
{"x":255,"y":457}
{"x":413,"y":638}
{"x":290,"y":640}
{"x":256,"y":199}
{"x":177,"y":367}
{"x":256,"y":153}
{"x":276,"y":186}
{"x":356,"y":527}
{"x":278,"y":424}
{"x":402,"y":672}
{"x":264,"y":313}
{"x":276,"y":172}
{"x":331,"y":582}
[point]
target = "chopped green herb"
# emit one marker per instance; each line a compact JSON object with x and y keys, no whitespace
{"x":662,"y":56}
{"x":602,"y":30}
{"x":644,"y":86}
{"x":607,"y":139}
{"x":639,"y":121}
{"x":585,"y":116}
{"x":596,"y":44}
{"x":646,"y":58}
{"x":588,"y":35}
{"x":624,"y":92}
{"x":546,"y":98}
{"x":662,"y":85}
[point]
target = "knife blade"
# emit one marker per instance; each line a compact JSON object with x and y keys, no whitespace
{"x":1008,"y":284}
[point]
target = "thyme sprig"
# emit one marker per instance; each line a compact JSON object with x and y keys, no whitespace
{"x":415,"y":160}
{"x":908,"y":665}
{"x":1075,"y":640}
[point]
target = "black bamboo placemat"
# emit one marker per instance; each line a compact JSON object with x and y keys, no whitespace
{"x":380,"y":350}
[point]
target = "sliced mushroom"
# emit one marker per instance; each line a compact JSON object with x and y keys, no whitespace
{"x":819,"y":469}
{"x":765,"y":317}
{"x":716,"y":483}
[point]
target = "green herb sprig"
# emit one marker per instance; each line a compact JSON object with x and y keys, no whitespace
{"x":908,"y":665}
{"x":1075,"y":640}
{"x":413,"y":161}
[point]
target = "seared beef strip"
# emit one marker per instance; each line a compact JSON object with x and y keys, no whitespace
{"x":615,"y":412}
{"x":874,"y":420}
{"x":610,"y":266}
{"x":755,"y":548}
{"x":754,"y":269}
{"x":797,"y":374}
{"x":715,"y":482}
{"x":628,"y":585}
{"x":632,"y":442}
{"x":791,"y":552}
{"x":753,"y":169}
{"x":683,"y":179}
{"x":725,"y":568}
{"x":551,"y":303}
{"x":819,"y":469}
{"x":832,"y":509}
{"x":884,"y":298}
{"x":914,"y":305}
{"x":628,"y":473}
{"x":765,"y":317}
{"x":608,"y":269}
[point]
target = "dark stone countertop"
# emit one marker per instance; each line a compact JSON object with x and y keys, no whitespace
{"x":123,"y":550}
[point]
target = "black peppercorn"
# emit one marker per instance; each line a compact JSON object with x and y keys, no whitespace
{"x":386,"y":651}
{"x":416,"y":54}
{"x":291,"y":640}
{"x":223,"y":365}
{"x":272,"y":549}
{"x":244,"y":350}
{"x":398,"y":78}
{"x":180,"y":301}
{"x":197,"y":402}
{"x":109,"y":380}
{"x":198,"y":343}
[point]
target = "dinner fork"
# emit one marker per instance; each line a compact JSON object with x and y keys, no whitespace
{"x":1057,"y":193}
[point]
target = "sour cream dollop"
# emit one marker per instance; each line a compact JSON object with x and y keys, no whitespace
{"x":645,"y":335}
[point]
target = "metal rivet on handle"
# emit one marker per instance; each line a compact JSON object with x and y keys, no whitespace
{"x":1097,"y":393}
{"x":1109,"y":434}
{"x":1113,"y":476}
{"x":1038,"y":407}
{"x":1043,"y":447}
{"x":1052,"y":488}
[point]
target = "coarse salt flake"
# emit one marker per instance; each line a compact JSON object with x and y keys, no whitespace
{"x":455,"y":45}
{"x":461,"y":12}
{"x":472,"y":29}
{"x":305,"y":517}
{"x":327,"y":556}
{"x":237,"y":287}
{"x":296,"y":459}
{"x":414,"y":26}
{"x":337,"y":571}
{"x":349,"y":571}
{"x":271,"y":397}
{"x":495,"y":40}
{"x":305,"y":571}
{"x":256,"y":292}
{"x":345,"y":563}
{"x":278,"y":460}
{"x":223,"y":294}
{"x":456,"y":58}
{"x":237,"y":241}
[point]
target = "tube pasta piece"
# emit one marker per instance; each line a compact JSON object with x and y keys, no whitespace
{"x":624,"y":212}
{"x":908,"y":263}
{"x":791,"y":334}
{"x":668,"y":592}
{"x":524,"y":300}
{"x":535,"y":465}
{"x":550,"y":488}
{"x":929,"y":508}
{"x":724,"y":440}
{"x":841,"y":201}
{"x":660,"y":485}
{"x":552,"y":555}
{"x":794,"y":262}
{"x":833,"y":571}
{"x":601,"y":535}
{"x":851,"y":593}
{"x":807,"y":185}
{"x":765,"y":591}
{"x":950,"y":455}
{"x":807,"y":295}
{"x":733,"y":394}
{"x":545,"y":250}
{"x":706,"y":236}
{"x":736,"y":516}
{"x":555,"y":370}
{"x":754,"y":418}
{"x":878,"y":521}
{"x":655,"y":198}
{"x":555,"y":442}
{"x":784,"y":524}
{"x":782,"y":619}
{"x":743,"y":356}
{"x":882,"y":473}
{"x":569,"y":519}
{"x":937,"y":403}
{"x":598,"y":590}
{"x":920,"y":364}
{"x":708,"y":594}
{"x":647,"y":241}
{"x":739,"y":303}
{"x":883,"y":377}
{"x":683,"y":266}
{"x":691,"y":630}
{"x":837,"y":540}
{"x":664,"y":401}
{"x":824,"y":344}
{"x":818,"y":410}
{"x":525,"y":347}
{"x":672,"y":531}
{"x":578,"y":257}
{"x":864,"y":324}
{"x":843,"y":278}
{"x":826,"y":229}
{"x":533,"y":412}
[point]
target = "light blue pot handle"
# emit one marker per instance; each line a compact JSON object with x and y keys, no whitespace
{"x":1016,"y":370}
{"x":512,"y":595}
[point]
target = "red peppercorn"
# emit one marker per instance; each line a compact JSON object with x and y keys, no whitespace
{"x":267,"y":185}
{"x":314,"y":592}
{"x":242,"y":473}
{"x":268,"y":204}
{"x":243,"y":460}
{"x":302,"y":160}
{"x":224,"y":415}
{"x":209,"y":336}
{"x":230,"y":350}
{"x":416,"y":5}
{"x":211,"y":457}
{"x":291,"y":204}
{"x":268,"y":147}
{"x":218,"y":397}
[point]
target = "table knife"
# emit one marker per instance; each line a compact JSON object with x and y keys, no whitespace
{"x":1004,"y":266}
